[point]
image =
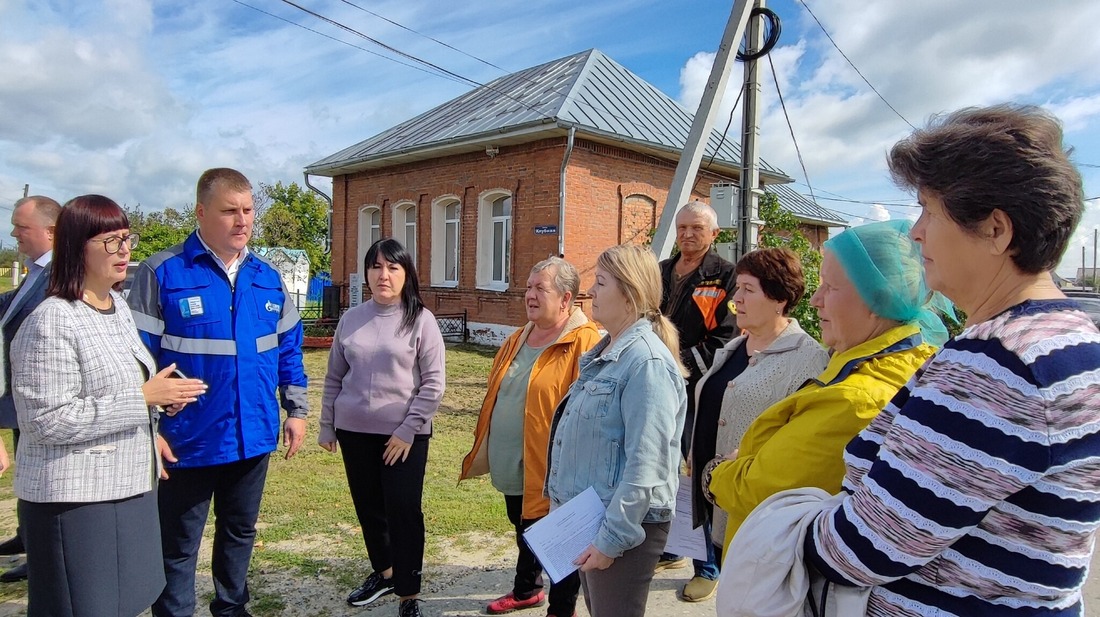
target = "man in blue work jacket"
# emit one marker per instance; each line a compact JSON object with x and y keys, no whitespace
{"x":223,"y":316}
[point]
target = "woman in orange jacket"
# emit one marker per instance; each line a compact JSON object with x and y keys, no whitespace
{"x":531,"y":373}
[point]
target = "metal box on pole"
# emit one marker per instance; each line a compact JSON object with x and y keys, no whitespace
{"x":725,"y":200}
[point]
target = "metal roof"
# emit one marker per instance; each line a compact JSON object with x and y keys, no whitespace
{"x":802,"y":208}
{"x":588,"y":91}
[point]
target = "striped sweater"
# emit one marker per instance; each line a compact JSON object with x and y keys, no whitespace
{"x":977,"y":490}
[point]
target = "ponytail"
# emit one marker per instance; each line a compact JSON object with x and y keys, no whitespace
{"x":669,"y":335}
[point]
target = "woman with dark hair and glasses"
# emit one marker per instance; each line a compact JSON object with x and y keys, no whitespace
{"x":85,"y":392}
{"x":384,"y":382}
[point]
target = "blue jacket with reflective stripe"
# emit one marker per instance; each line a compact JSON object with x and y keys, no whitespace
{"x":245,"y":342}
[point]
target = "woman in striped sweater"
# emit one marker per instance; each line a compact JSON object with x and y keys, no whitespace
{"x":977,"y":490}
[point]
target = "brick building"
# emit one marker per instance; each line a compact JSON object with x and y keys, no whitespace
{"x":569,"y":157}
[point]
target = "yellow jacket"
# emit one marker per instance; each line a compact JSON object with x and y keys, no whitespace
{"x":555,"y":370}
{"x":799,"y":441}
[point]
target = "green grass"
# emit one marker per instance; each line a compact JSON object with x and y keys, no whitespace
{"x":307,"y":524}
{"x":307,"y":497}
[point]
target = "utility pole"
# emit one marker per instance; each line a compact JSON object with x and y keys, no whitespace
{"x":1095,"y":233}
{"x":750,"y":131}
{"x":688,"y":167}
{"x":26,"y":190}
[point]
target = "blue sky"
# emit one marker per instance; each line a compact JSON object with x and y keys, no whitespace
{"x":133,"y":99}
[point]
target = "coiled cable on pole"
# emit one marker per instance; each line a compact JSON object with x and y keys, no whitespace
{"x":772,"y":28}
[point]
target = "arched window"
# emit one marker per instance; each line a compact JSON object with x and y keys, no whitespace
{"x":370,"y":231}
{"x":494,"y":242}
{"x":639,"y":219}
{"x":404,"y":226}
{"x":446,"y":233}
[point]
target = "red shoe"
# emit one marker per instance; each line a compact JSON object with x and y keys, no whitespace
{"x":509,"y":603}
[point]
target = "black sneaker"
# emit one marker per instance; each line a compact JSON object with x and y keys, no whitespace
{"x":409,"y":608}
{"x":373,"y":588}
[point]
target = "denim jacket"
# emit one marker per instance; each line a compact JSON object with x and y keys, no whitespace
{"x":618,"y":431}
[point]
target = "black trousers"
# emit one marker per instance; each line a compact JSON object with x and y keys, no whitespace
{"x":236,"y":489}
{"x":563,"y":595}
{"x":388,"y":501}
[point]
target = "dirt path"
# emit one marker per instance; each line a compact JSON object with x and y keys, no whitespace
{"x":470,"y":573}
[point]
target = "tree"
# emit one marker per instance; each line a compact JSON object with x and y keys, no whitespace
{"x":159,"y":230}
{"x":8,"y":256}
{"x":780,"y":229}
{"x":289,"y":216}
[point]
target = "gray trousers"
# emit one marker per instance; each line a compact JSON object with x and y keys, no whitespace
{"x":622,"y":590}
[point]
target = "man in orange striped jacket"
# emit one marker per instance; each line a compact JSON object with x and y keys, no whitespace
{"x":697,"y":289}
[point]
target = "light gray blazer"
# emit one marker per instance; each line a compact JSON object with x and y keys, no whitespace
{"x":87,"y":434}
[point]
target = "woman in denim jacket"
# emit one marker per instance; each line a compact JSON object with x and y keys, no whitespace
{"x":618,"y":431}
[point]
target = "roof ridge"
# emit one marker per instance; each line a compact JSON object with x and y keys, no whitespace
{"x":569,"y":97}
{"x":588,"y":90}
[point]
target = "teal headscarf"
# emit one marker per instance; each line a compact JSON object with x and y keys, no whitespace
{"x":886,"y":267}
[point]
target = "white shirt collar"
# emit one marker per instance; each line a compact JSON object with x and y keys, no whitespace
{"x":236,"y":262}
{"x":42,"y":261}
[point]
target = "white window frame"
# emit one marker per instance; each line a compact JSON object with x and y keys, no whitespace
{"x":368,"y":234}
{"x":401,"y":226}
{"x":440,"y":224}
{"x":487,"y":227}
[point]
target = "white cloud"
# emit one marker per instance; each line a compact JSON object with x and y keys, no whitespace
{"x":878,"y":212}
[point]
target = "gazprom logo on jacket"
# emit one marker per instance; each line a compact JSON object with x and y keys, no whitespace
{"x":191,"y":307}
{"x":272,"y":307}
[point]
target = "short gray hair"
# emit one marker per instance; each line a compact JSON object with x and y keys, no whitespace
{"x":566,"y":278}
{"x":701,"y":208}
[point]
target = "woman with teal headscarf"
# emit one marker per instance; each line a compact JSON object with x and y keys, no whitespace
{"x":877,"y":318}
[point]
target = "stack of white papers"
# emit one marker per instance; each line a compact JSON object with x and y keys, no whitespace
{"x":561,"y":536}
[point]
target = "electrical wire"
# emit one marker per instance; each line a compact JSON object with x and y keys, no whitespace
{"x":360,"y":48}
{"x":899,"y":202}
{"x":790,"y":127}
{"x":852,"y":64}
{"x":430,"y":38}
{"x":729,"y":123}
{"x":460,"y":79}
{"x":446,"y":74}
{"x":773,"y":32}
{"x":442,"y":72}
{"x":389,"y":48}
{"x":773,"y":28}
{"x":867,"y":202}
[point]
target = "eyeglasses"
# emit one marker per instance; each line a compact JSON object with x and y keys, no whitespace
{"x":113,"y":244}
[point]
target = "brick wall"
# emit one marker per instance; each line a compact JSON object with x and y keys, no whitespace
{"x":613,"y":195}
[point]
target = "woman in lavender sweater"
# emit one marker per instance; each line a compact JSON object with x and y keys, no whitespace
{"x":384,"y":383}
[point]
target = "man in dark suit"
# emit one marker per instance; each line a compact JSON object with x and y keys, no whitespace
{"x":32,"y":222}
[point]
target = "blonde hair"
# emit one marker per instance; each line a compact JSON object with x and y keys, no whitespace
{"x":638,"y":275}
